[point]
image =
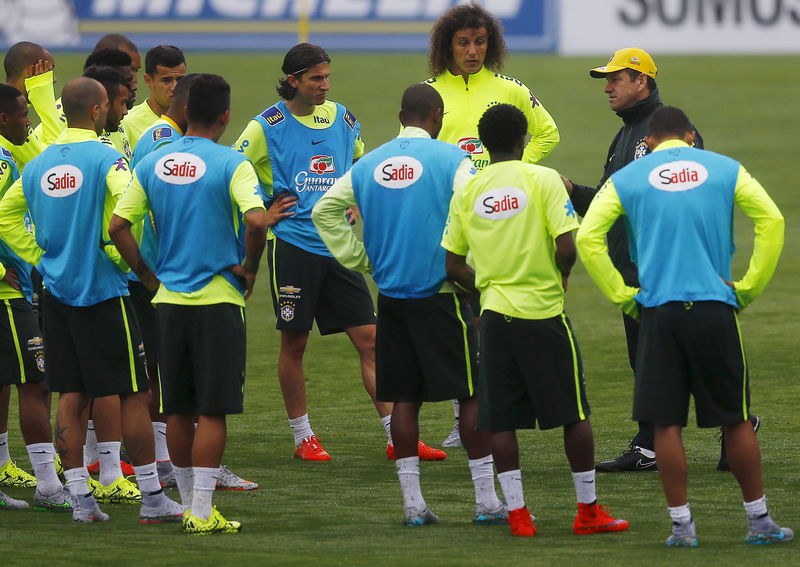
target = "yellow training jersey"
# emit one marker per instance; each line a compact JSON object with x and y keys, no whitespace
{"x":465,"y":103}
{"x":508,"y":217}
{"x":137,"y":121}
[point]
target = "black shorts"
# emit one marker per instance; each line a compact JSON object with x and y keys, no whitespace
{"x":21,"y":344}
{"x":425,"y":349}
{"x":307,"y":287}
{"x":96,"y":349}
{"x":203,"y":355}
{"x":691,"y":348}
{"x":530,"y":373}
{"x":146,"y":316}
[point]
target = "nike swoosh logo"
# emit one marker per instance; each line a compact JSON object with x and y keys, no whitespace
{"x":315,"y":142}
{"x":39,"y":452}
{"x":587,"y":481}
{"x":642,"y":465}
{"x":104,"y":452}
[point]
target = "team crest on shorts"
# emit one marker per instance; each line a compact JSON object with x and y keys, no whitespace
{"x":287,"y":311}
{"x":40,"y":361}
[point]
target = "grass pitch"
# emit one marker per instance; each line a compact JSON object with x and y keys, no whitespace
{"x":348,"y":511}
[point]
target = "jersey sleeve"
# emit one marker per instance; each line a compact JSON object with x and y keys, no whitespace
{"x":133,"y":204}
{"x":561,"y":216}
{"x":328,"y":214}
{"x":592,"y":248}
{"x":13,"y":231}
{"x":245,"y":189}
{"x":541,"y":127}
{"x":253,"y":144}
{"x":453,"y":238}
{"x":358,"y":148}
{"x":754,"y":201}
{"x":41,"y":95}
{"x":465,"y":171}
{"x":117,"y":180}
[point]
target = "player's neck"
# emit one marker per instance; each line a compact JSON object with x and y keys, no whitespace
{"x":155,"y":107}
{"x":300,"y":108}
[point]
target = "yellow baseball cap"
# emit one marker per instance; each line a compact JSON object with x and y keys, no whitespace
{"x":628,"y":58}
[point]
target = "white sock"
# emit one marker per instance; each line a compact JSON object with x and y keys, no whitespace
{"x":90,"y":448}
{"x":585,"y":486}
{"x":110,"y":469}
{"x":408,"y":474}
{"x":42,"y":457}
{"x":511,"y":483}
{"x":77,"y":481}
{"x":5,"y":456}
{"x":650,"y":454}
{"x":147,"y":479}
{"x":456,"y":408}
{"x":301,"y":428}
{"x":755,"y":508}
{"x":184,"y":477}
{"x":483,"y":480}
{"x":160,"y":434}
{"x":386,"y":421}
{"x":205,"y":482}
{"x":680,"y":514}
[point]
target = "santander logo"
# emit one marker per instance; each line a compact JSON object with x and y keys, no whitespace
{"x":61,"y":181}
{"x":501,"y":203}
{"x":180,"y":168}
{"x":678,"y":176}
{"x":398,"y":172}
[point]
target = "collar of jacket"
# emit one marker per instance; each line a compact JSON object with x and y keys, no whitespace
{"x":641,"y":109}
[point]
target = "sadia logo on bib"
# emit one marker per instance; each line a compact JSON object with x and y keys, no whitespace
{"x":678,"y":176}
{"x":472,"y":146}
{"x":322,"y":164}
{"x":61,"y":181}
{"x":397,"y":172}
{"x":180,"y":168}
{"x":502,"y":203}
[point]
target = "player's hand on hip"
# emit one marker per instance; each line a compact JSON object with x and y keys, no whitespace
{"x":278,"y":210}
{"x":11,"y":278}
{"x":247,"y":279}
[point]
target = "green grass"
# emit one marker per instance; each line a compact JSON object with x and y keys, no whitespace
{"x":348,"y":512}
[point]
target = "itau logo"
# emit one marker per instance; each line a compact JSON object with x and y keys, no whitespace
{"x":501,"y":203}
{"x":397,"y":172}
{"x":322,"y":164}
{"x":472,"y":146}
{"x":678,"y":176}
{"x":61,"y":181}
{"x":180,"y":168}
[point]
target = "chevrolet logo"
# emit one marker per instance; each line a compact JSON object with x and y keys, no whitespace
{"x":289,"y":289}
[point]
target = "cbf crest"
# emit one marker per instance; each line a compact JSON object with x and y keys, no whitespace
{"x":641,"y":149}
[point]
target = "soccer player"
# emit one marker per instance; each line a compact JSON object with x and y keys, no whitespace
{"x":28,"y":68}
{"x":118,"y":41}
{"x":301,"y":146}
{"x":22,"y":354}
{"x":530,"y":371}
{"x":93,"y":344}
{"x":200,"y":194}
{"x":466,"y":56}
{"x":425,"y":342}
{"x":169,"y":128}
{"x":679,"y":206}
{"x":163,"y":66}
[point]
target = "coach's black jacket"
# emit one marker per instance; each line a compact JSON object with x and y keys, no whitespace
{"x":627,"y":146}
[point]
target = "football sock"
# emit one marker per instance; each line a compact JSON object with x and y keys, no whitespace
{"x":456,"y":408}
{"x":483,"y":480}
{"x":147,"y":479}
{"x":185,"y":480}
{"x":110,"y":469}
{"x":408,"y":474}
{"x":680,"y":514}
{"x":205,"y":482}
{"x":77,"y":482}
{"x":758,"y":518}
{"x":386,"y":421}
{"x":756,"y":508}
{"x":5,"y":456}
{"x":90,"y":448}
{"x":160,"y":434}
{"x":649,"y":453}
{"x":301,"y":428}
{"x":584,"y":486}
{"x":511,"y":483}
{"x":42,"y":457}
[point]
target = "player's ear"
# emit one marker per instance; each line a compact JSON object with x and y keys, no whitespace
{"x":292,"y":80}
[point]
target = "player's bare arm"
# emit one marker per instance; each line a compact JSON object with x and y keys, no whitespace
{"x":460,"y":273}
{"x":119,"y":229}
